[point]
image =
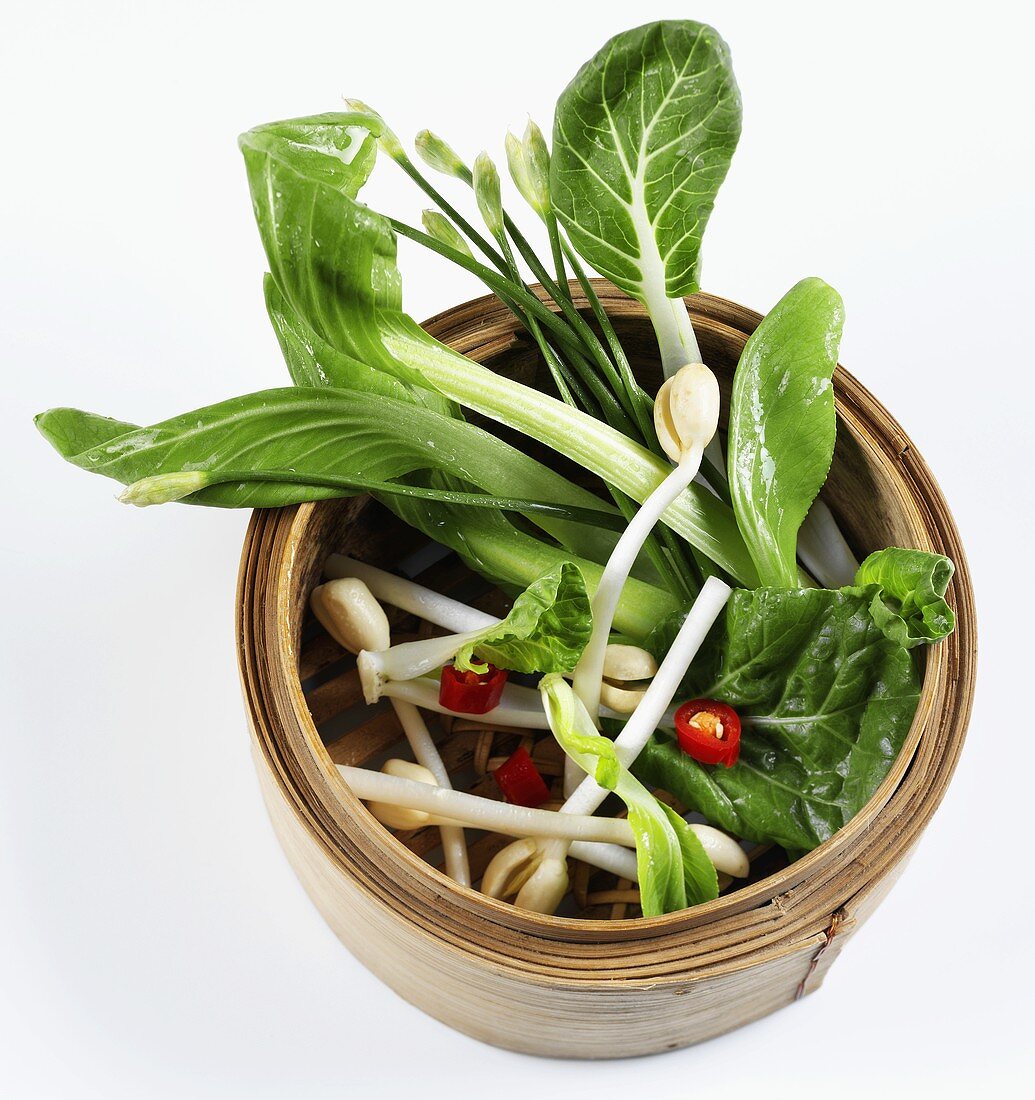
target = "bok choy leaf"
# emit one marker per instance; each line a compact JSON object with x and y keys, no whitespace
{"x":512,"y":558}
{"x":643,"y":138}
{"x":545,"y":631}
{"x":910,"y":606}
{"x":311,"y":361}
{"x":314,"y":432}
{"x":339,"y":149}
{"x":333,"y":261}
{"x":826,"y":701}
{"x":671,"y":864}
{"x":782,"y":424}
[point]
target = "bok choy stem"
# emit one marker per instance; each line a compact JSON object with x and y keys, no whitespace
{"x":596,"y":446}
{"x":823,"y":549}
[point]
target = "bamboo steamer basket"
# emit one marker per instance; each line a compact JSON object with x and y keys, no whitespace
{"x":600,"y":982}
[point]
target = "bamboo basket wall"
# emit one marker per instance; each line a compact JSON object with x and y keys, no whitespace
{"x":599,"y":981}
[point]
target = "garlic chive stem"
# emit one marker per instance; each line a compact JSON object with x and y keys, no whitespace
{"x":501,"y":284}
{"x":454,"y":846}
{"x":579,"y":325}
{"x":485,"y":182}
{"x":632,"y":387}
{"x":553,"y":362}
{"x":609,"y":395}
{"x":175,"y":486}
{"x":651,"y":712}
{"x":590,"y":668}
{"x":484,"y":813}
{"x":409,"y":596}
{"x":429,"y":189}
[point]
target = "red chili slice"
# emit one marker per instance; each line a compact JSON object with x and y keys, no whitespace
{"x":519,"y":780}
{"x":709,"y":731}
{"x":471,"y":692}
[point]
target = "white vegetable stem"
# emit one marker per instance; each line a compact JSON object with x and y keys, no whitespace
{"x":355,"y":619}
{"x":676,"y":339}
{"x":686,"y":415}
{"x":426,"y":753}
{"x":724,"y":853}
{"x":410,"y":596}
{"x":590,"y":669}
{"x":520,"y":708}
{"x":593,"y":444}
{"x":608,"y":857}
{"x":658,"y":696}
{"x":536,"y":874}
{"x":484,"y":813}
{"x":823,"y":550}
{"x":406,"y":661}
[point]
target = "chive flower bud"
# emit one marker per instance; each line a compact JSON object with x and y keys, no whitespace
{"x":442,"y":229}
{"x":529,"y":163}
{"x":164,"y":488}
{"x":487,"y":194}
{"x":387,"y":138}
{"x":518,"y":166}
{"x":439,"y":155}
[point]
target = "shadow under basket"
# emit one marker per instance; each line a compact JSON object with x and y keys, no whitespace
{"x":598,"y":980}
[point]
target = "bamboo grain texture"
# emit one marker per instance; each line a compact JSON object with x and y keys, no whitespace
{"x":598,"y":980}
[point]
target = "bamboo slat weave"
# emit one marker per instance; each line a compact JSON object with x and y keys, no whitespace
{"x":597,"y":980}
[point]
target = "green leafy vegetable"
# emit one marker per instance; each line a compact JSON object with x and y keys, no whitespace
{"x":643,"y":138}
{"x":578,"y":737}
{"x":366,"y":436}
{"x":312,"y":362}
{"x":826,"y":700}
{"x":333,"y":261}
{"x":512,"y":558}
{"x":338,"y":148}
{"x":644,"y":134}
{"x":782,"y":424}
{"x":910,"y":606}
{"x":332,"y":258}
{"x":672,"y":866}
{"x":545,"y":631}
{"x":71,"y":431}
{"x":699,"y":876}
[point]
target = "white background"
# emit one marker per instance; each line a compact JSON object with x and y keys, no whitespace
{"x":153,"y":939}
